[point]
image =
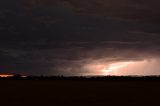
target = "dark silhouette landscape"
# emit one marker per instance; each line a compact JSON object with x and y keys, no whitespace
{"x":80,"y":91}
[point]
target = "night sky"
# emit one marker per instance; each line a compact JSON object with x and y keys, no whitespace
{"x":80,"y":37}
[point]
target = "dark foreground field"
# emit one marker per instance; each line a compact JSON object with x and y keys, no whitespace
{"x":79,"y":92}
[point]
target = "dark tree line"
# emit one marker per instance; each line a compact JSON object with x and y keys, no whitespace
{"x":85,"y":78}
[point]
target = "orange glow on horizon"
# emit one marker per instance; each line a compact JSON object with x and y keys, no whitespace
{"x":6,"y":75}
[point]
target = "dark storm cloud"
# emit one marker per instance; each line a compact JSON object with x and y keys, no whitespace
{"x":135,"y":10}
{"x":60,"y":36}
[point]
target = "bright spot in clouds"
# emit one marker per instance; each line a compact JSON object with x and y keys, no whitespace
{"x":112,"y":68}
{"x":137,"y":67}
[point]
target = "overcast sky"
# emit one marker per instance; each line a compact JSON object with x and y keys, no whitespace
{"x":75,"y":37}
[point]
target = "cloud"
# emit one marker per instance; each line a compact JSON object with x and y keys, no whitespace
{"x":69,"y":59}
{"x":63,"y":36}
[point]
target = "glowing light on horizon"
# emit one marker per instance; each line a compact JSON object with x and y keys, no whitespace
{"x":106,"y":68}
{"x":112,"y":68}
{"x":6,"y":75}
{"x":149,"y":66}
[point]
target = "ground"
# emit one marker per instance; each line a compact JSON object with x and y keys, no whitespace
{"x":78,"y":93}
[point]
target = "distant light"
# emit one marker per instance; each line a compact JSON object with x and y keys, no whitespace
{"x":6,"y":75}
{"x":23,"y":76}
